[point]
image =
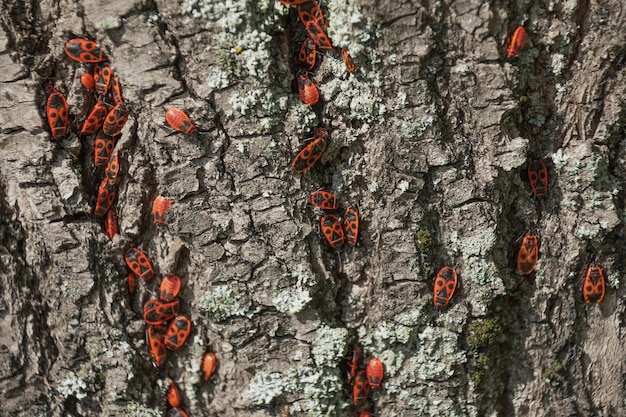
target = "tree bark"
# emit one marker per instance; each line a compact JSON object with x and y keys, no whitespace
{"x":430,"y":139}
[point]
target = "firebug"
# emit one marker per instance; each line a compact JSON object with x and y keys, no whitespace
{"x":139,"y":264}
{"x":375,"y":371}
{"x":311,"y":153}
{"x":351,"y":226}
{"x":116,"y":90}
{"x":106,"y":195}
{"x":313,"y":20}
{"x":84,"y":50}
{"x":110,"y":223}
{"x":208,"y":365}
{"x":95,"y":120}
{"x":292,"y":2}
{"x":88,"y":82}
{"x":332,"y":230}
{"x":307,"y":90}
{"x":593,"y":288}
{"x":176,"y":412}
{"x":170,"y":287}
{"x":159,"y":208}
{"x":353,"y":361}
{"x":518,"y":40}
{"x":445,"y":285}
{"x":103,"y":148}
{"x":323,"y":200}
{"x":131,"y":283}
{"x":180,"y":121}
{"x":177,"y":332}
{"x":102,"y":73}
{"x":308,"y":54}
{"x":57,"y":112}
{"x":347,"y":59}
{"x":528,"y":254}
{"x":360,"y":389}
{"x":156,"y":312}
{"x":115,"y":120}
{"x":538,"y":177}
{"x":173,"y":394}
{"x":365,"y":414}
{"x":113,"y":167}
{"x":156,"y":344}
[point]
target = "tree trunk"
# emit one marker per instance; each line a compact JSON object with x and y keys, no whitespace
{"x":430,"y":138}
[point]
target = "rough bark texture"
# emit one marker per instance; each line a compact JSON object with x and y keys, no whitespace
{"x":430,"y":137}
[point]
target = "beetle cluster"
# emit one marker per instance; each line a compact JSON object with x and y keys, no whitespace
{"x":363,"y":380}
{"x":336,"y":231}
{"x":528,"y":254}
{"x":165,"y":328}
{"x":105,"y":120}
{"x":312,"y":18}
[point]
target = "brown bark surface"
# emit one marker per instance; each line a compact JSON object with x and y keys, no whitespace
{"x":430,"y":138}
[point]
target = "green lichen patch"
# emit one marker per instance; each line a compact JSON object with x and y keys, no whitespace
{"x":438,"y":355}
{"x":299,"y":294}
{"x":329,"y":346}
{"x":486,"y":339}
{"x":221,"y":303}
{"x":479,"y":271}
{"x":319,"y":390}
{"x":426,"y":123}
{"x":424,"y":240}
{"x":385,"y":334}
{"x":485,"y":333}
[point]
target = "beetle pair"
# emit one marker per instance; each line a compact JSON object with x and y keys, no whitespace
{"x":337,"y":232}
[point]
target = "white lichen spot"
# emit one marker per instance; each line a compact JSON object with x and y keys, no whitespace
{"x":556,"y":63}
{"x":218,"y":79}
{"x":460,"y":68}
{"x":392,"y":361}
{"x":298,"y":355}
{"x":614,"y":280}
{"x":137,"y":410}
{"x":221,"y":303}
{"x":72,"y":386}
{"x":372,"y":186}
{"x":416,"y":128}
{"x":329,"y":345}
{"x":403,"y":186}
{"x":438,"y":356}
{"x":109,"y":23}
{"x":411,"y":318}
{"x":264,"y":387}
{"x":401,"y":100}
{"x":346,"y":24}
{"x":320,"y":389}
{"x":292,"y":302}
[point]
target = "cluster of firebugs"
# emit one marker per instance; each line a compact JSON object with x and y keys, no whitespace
{"x":311,"y":16}
{"x":336,"y":230}
{"x":528,"y":254}
{"x":363,"y":380}
{"x":166,"y":329}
